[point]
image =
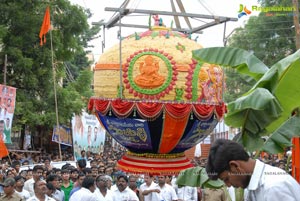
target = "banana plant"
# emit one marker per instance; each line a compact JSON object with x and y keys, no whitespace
{"x":270,"y":107}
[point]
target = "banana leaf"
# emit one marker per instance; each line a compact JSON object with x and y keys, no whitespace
{"x":197,"y":177}
{"x":281,"y":138}
{"x":254,"y":111}
{"x":287,"y":91}
{"x":239,"y":59}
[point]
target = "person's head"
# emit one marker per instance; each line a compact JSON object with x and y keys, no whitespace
{"x":89,"y":183}
{"x":109,"y":181}
{"x":65,"y":174}
{"x":161,"y":180}
{"x":87,"y":172}
{"x":23,"y":174}
{"x":82,"y":153}
{"x":229,"y":161}
{"x":132,"y":182}
{"x":29,"y":174}
{"x":26,"y":162}
{"x":74,"y":174}
{"x":37,"y":172}
{"x":9,"y":173}
{"x":8,"y":185}
{"x":148,"y":179}
{"x":122,"y":182}
{"x":93,"y":163}
{"x":169,"y":179}
{"x":47,"y":161}
{"x":80,"y":178}
{"x":81,"y":163}
{"x":57,"y":171}
{"x":54,"y":180}
{"x":16,"y":165}
{"x":50,"y":189}
{"x":19,"y":181}
{"x":101,"y":181}
{"x":40,"y":187}
{"x":94,"y":171}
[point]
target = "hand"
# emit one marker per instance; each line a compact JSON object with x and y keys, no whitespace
{"x":156,"y":190}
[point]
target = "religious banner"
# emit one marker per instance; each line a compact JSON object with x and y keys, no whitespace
{"x":7,"y":107}
{"x":131,"y":133}
{"x":88,"y":134}
{"x":199,"y":131}
{"x":64,"y":133}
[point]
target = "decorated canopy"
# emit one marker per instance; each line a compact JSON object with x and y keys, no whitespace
{"x":156,"y":100}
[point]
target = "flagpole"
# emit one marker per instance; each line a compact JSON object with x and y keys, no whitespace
{"x":55,"y":96}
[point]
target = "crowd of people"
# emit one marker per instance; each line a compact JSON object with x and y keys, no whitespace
{"x":95,"y":177}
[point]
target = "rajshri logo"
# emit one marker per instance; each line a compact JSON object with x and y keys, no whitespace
{"x":268,"y":10}
{"x":243,"y":11}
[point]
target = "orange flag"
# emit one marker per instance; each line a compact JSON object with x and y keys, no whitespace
{"x":3,"y":149}
{"x":45,"y":26}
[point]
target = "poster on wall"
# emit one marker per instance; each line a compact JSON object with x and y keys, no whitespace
{"x":7,"y":108}
{"x":64,"y":133}
{"x":88,"y":134}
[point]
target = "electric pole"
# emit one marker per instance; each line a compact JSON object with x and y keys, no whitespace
{"x":296,"y":23}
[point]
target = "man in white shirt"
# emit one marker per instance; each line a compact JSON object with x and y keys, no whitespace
{"x":230,"y":162}
{"x":167,"y":192}
{"x":19,"y":188}
{"x":86,"y":192}
{"x":148,"y":187}
{"x":37,"y":173}
{"x":40,"y":192}
{"x":102,"y":192}
{"x":187,"y":193}
{"x":123,"y":192}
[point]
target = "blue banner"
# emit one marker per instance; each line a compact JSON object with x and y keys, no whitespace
{"x":199,"y":131}
{"x":64,"y":133}
{"x":131,"y":133}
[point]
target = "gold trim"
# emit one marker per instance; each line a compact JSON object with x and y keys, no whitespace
{"x":157,"y":159}
{"x":154,"y":165}
{"x":157,"y":156}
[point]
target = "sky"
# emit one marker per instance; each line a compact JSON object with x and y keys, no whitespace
{"x":211,"y":37}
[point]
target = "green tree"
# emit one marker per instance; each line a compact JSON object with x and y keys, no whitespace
{"x":270,"y":36}
{"x":30,"y":65}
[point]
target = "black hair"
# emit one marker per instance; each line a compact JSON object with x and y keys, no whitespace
{"x":81,"y":163}
{"x":122,"y":176}
{"x":37,"y":167}
{"x":88,"y":182}
{"x":221,"y":153}
{"x":51,"y":187}
{"x":80,"y":174}
{"x":87,"y":171}
{"x":52,"y":177}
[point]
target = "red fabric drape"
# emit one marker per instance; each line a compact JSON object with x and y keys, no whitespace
{"x":178,"y":110}
{"x":203,"y":111}
{"x":151,"y":110}
{"x":122,"y":108}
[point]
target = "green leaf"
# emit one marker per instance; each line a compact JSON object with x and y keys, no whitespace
{"x":281,"y":138}
{"x":242,"y":60}
{"x":286,"y":89}
{"x":253,"y":112}
{"x":197,"y":177}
